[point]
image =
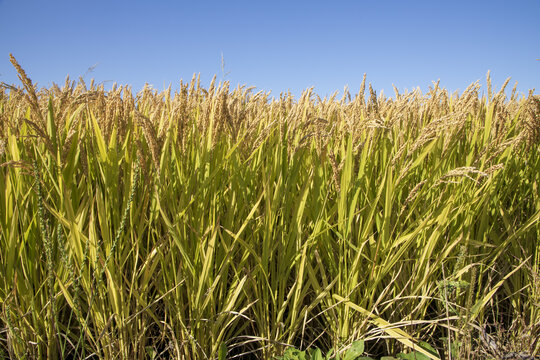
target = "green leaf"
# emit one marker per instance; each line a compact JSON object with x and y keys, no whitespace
{"x":222,"y":355}
{"x":356,"y":349}
{"x":315,"y":354}
{"x":417,"y":355}
{"x":151,"y":352}
{"x":100,"y":140}
{"x":293,"y":354}
{"x":330,"y":354}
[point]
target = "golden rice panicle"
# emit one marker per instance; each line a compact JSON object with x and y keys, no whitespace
{"x":27,"y":82}
{"x":513,"y":95}
{"x":412,"y":195}
{"x":502,"y":113}
{"x":396,"y":91}
{"x":500,"y":95}
{"x":373,"y":104}
{"x":336,"y":168}
{"x":192,"y":84}
{"x":64,"y":100}
{"x":212,"y":87}
{"x":362,"y":91}
{"x":346,"y":96}
{"x":532,"y":122}
{"x":151,"y":138}
{"x":29,"y":86}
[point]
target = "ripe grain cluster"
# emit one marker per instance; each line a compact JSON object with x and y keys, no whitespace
{"x":219,"y":222}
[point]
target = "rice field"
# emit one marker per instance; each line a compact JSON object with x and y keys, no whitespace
{"x":221,"y":223}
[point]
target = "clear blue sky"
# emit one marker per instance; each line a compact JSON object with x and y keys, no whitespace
{"x":275,"y":45}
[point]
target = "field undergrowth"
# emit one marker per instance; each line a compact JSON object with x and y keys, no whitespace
{"x":219,"y":223}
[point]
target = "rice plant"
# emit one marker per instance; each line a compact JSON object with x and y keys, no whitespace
{"x":222,"y":223}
